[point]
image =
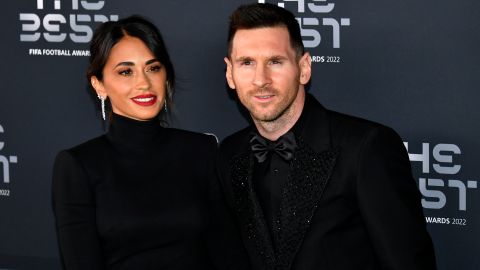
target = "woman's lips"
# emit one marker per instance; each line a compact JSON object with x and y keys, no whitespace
{"x":145,"y":100}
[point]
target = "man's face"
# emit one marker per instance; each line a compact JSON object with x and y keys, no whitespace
{"x":265,"y":71}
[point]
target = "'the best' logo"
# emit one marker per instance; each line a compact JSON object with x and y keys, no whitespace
{"x":56,"y":27}
{"x":314,"y":19}
{"x":433,"y":186}
{"x":5,"y":161}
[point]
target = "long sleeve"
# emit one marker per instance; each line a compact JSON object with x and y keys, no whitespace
{"x":389,"y":202}
{"x":74,"y":209}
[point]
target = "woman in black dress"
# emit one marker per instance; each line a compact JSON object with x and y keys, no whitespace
{"x":141,"y":196}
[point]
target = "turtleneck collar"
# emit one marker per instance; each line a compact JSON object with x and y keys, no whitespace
{"x":131,"y":133}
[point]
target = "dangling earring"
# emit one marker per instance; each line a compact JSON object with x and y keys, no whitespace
{"x":169,"y":90}
{"x":102,"y":101}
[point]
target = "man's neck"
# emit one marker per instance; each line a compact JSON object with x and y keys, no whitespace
{"x":272,"y":130}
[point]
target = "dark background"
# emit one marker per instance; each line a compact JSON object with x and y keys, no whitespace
{"x":412,"y":65}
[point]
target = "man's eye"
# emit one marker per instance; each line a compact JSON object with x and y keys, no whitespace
{"x":276,"y":62}
{"x":246,"y":63}
{"x":125,"y":72}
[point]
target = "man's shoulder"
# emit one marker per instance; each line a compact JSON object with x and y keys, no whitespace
{"x":339,"y":124}
{"x":342,"y":120}
{"x":353,"y":128}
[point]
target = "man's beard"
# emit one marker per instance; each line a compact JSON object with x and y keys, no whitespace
{"x":277,"y":112}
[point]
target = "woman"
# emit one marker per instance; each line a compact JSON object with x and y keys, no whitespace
{"x":139,"y":197}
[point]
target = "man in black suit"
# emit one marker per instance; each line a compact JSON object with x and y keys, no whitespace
{"x":312,"y":189}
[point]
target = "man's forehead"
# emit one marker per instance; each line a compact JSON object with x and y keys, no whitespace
{"x":259,"y":32}
{"x":262,"y":41}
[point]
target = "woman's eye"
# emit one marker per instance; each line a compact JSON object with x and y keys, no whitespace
{"x":125,"y":72}
{"x":155,"y":68}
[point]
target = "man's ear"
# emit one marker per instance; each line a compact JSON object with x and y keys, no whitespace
{"x":98,"y":86}
{"x":305,"y":64}
{"x":228,"y":73}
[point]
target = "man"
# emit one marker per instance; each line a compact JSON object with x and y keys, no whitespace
{"x":312,"y":188}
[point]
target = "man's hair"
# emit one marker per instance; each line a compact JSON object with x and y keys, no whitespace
{"x":257,"y":15}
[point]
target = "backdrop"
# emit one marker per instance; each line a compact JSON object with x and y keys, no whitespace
{"x":412,"y":65}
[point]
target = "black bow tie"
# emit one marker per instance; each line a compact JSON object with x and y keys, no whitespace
{"x":284,"y":146}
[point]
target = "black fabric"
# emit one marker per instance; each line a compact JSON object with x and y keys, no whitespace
{"x":350,"y":201}
{"x":142,"y":197}
{"x":272,"y":165}
{"x":249,"y":212}
{"x":262,"y":148}
{"x":269,"y":177}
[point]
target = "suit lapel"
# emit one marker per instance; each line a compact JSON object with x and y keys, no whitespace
{"x":249,"y":210}
{"x":309,"y":174}
{"x":311,"y":168}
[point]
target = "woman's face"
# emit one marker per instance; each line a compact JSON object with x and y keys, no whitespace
{"x":133,"y":79}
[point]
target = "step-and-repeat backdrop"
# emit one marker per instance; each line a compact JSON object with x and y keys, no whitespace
{"x":412,"y":65}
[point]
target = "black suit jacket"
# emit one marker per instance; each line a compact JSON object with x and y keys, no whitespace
{"x":350,"y":202}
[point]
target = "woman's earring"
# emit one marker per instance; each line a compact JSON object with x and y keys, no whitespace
{"x":166,"y":110}
{"x":102,"y":101}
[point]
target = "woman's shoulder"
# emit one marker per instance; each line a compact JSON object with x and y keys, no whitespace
{"x":191,"y":137}
{"x":85,"y":151}
{"x":90,"y":147}
{"x":82,"y":158}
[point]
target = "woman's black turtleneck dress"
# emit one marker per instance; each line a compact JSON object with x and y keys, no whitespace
{"x":140,"y":197}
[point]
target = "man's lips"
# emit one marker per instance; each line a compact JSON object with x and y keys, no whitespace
{"x":266,"y":97}
{"x":145,"y":100}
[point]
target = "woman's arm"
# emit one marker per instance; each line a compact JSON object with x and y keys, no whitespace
{"x":74,"y":209}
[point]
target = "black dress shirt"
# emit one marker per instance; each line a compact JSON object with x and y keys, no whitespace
{"x":269,"y":177}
